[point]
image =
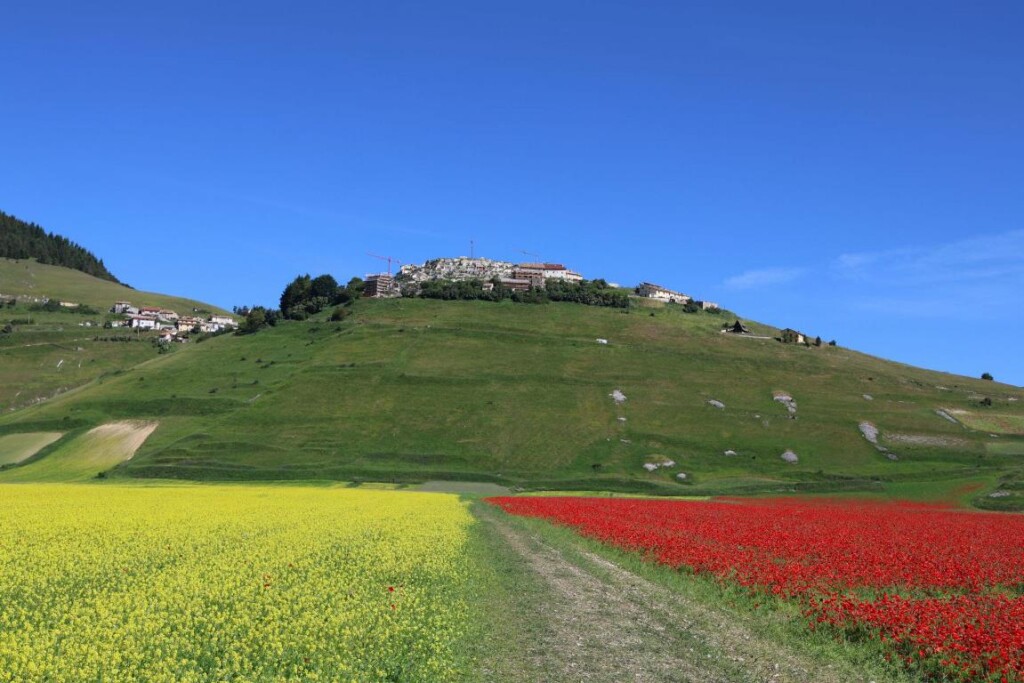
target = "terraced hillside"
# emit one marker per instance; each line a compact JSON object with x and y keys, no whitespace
{"x":523,"y":395}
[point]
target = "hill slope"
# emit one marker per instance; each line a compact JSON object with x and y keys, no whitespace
{"x":45,"y":353}
{"x":21,"y":240}
{"x":409,"y":390}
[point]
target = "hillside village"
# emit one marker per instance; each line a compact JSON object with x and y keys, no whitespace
{"x":169,"y":325}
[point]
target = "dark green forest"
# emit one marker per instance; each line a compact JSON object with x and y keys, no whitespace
{"x":21,"y":240}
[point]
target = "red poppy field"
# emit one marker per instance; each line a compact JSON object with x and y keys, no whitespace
{"x":942,"y":588}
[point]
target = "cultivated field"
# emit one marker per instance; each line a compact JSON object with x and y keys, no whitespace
{"x":940,"y":588}
{"x":176,"y":584}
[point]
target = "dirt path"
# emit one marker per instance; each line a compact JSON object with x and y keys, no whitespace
{"x":606,"y":623}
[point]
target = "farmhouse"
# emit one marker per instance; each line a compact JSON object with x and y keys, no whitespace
{"x":791,"y":336}
{"x":122,"y":307}
{"x":653,"y":291}
{"x":188,"y":323}
{"x":223,"y":320}
{"x":707,"y":305}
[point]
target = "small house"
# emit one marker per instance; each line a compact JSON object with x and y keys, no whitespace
{"x":791,"y":336}
{"x":142,"y":322}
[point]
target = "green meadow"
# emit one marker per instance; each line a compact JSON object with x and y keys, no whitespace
{"x":519,"y":395}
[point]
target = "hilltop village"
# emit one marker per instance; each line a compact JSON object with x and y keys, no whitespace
{"x":516,"y":277}
{"x":521,"y":278}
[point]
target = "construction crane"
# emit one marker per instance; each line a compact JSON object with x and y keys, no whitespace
{"x":389,"y":259}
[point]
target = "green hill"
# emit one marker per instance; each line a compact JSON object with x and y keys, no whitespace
{"x":412,"y":390}
{"x":44,"y":353}
{"x":21,"y":240}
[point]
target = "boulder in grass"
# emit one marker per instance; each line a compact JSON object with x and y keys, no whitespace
{"x":682,"y":476}
{"x":650,"y":466}
{"x":730,"y":453}
{"x":716,"y":404}
{"x":790,"y":457}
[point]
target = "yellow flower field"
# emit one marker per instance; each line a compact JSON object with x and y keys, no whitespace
{"x":229,"y":583}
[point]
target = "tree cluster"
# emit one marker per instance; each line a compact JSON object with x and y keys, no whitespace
{"x":21,"y":240}
{"x":305,"y":295}
{"x":588,"y":292}
{"x":255,"y":318}
{"x":53,"y":306}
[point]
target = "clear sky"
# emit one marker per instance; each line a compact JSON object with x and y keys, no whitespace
{"x":854,"y":170}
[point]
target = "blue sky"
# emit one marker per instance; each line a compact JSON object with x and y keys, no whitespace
{"x":854,"y":170}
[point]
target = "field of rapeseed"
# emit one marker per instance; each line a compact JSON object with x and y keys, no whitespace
{"x":198,"y":583}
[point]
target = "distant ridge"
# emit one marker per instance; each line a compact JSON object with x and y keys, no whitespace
{"x":21,"y":240}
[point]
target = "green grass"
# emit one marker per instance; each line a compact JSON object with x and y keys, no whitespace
{"x":29,"y":278}
{"x":406,"y":391}
{"x":15,"y":448}
{"x":995,"y":422}
{"x":56,"y":352}
{"x":85,"y":456}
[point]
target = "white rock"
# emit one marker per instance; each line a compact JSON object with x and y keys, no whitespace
{"x":869,"y":431}
{"x":669,"y":463}
{"x":730,"y":452}
{"x":789,"y":456}
{"x":681,"y":476}
{"x":650,"y":466}
{"x":786,"y":400}
{"x":716,"y":404}
{"x":621,"y":419}
{"x":868,"y":397}
{"x":1001,"y":493}
{"x":601,"y":341}
{"x":618,"y":396}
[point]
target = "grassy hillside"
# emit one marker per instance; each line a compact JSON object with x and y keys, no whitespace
{"x":408,"y":390}
{"x":29,"y":278}
{"x":45,"y":354}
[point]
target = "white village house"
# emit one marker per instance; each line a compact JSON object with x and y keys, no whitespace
{"x":143,"y":322}
{"x":653,"y":291}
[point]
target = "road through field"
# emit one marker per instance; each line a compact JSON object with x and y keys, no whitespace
{"x":604,"y":622}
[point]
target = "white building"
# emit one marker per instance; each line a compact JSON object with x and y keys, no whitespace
{"x":223,"y":320}
{"x":546,"y":271}
{"x":142,"y":322}
{"x":652,"y":291}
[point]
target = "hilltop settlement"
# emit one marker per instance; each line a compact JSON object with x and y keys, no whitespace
{"x":515,"y":277}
